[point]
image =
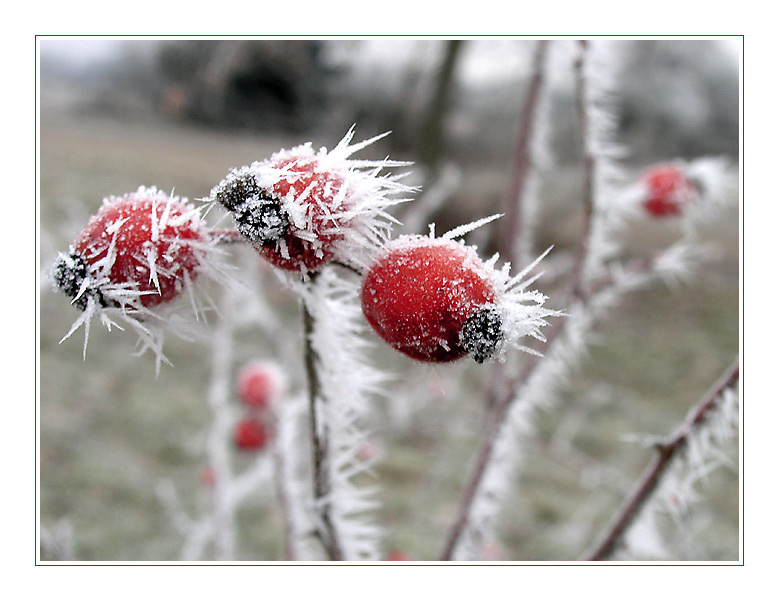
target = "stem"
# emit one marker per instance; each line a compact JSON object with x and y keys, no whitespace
{"x":588,"y":190}
{"x":319,"y":441}
{"x":516,"y":228}
{"x":217,"y":445}
{"x":433,"y":127}
{"x":666,"y":451}
{"x":279,"y":469}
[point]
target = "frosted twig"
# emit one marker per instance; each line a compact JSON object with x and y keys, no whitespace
{"x":588,"y":158}
{"x":340,"y":385}
{"x":322,"y":485}
{"x":319,"y":441}
{"x":666,"y":452}
{"x":217,"y":449}
{"x":516,"y":224}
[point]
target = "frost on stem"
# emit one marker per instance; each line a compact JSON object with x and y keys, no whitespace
{"x":342,"y":386}
{"x":138,"y":254}
{"x":302,"y":208}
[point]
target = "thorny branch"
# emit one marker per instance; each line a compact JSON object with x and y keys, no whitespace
{"x":666,"y":451}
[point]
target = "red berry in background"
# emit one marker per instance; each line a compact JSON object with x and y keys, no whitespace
{"x":433,"y":300}
{"x":668,"y":191}
{"x":260,"y":384}
{"x":142,"y":248}
{"x":251,"y":434}
{"x":397,"y":555}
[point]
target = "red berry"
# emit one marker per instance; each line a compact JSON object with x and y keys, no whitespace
{"x":317,"y":190}
{"x":259,"y":384}
{"x":668,"y":191}
{"x":139,"y":248}
{"x":251,"y":434}
{"x":301,"y":209}
{"x":433,"y":300}
{"x":397,"y":555}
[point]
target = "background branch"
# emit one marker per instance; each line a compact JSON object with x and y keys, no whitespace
{"x":666,"y":452}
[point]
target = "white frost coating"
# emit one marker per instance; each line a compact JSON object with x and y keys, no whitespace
{"x":678,"y":492}
{"x":541,"y":391}
{"x":538,"y":394}
{"x":347,"y":383}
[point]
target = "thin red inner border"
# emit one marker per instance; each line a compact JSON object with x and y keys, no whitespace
{"x":389,"y":564}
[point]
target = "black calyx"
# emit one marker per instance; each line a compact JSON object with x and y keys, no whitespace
{"x":235,"y":189}
{"x":482,"y":333}
{"x":261,"y":220}
{"x":258,"y":215}
{"x":68,"y":274}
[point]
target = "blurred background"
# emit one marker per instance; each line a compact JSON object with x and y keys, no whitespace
{"x":178,"y":114}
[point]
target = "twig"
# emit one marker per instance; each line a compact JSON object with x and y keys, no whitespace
{"x":588,"y":158}
{"x":666,"y":451}
{"x":217,"y":449}
{"x":515,"y":224}
{"x":319,"y":439}
{"x":501,"y":398}
{"x":282,"y":494}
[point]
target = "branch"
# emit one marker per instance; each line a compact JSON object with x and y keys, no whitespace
{"x":325,"y":531}
{"x":666,"y":452}
{"x":516,"y":228}
{"x":588,"y":191}
{"x":217,"y":448}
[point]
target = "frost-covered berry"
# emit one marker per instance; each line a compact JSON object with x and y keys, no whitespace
{"x":251,"y":434}
{"x":667,"y":191}
{"x":260,"y":384}
{"x":435,"y":300}
{"x":139,"y":252}
{"x":302,"y":208}
{"x":420,"y":294}
{"x":140,"y":248}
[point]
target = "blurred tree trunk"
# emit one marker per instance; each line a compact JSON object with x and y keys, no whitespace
{"x":433,"y":125}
